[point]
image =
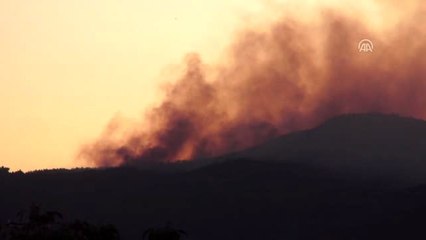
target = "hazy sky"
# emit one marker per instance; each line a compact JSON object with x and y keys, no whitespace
{"x":68,"y":66}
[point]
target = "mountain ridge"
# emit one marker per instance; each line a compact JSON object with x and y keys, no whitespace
{"x":376,"y":143}
{"x":303,"y":196}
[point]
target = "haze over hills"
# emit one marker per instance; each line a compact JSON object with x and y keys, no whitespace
{"x":294,"y":187}
{"x":370,"y":144}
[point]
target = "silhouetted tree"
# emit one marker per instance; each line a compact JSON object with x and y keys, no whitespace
{"x":4,"y":171}
{"x":38,"y":225}
{"x":165,"y":233}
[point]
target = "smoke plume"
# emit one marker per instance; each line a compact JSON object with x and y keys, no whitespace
{"x":288,"y":76}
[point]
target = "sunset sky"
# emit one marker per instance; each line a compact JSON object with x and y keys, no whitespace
{"x":68,"y":67}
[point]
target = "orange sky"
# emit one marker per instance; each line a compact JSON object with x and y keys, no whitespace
{"x":68,"y":67}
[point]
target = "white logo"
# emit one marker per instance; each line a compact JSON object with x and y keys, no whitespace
{"x":365,"y":45}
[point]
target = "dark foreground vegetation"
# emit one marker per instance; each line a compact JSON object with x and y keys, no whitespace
{"x":50,"y":225}
{"x":355,"y":177}
{"x":35,"y":224}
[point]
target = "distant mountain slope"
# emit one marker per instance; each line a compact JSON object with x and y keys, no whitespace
{"x":370,"y":144}
{"x":305,"y":185}
{"x":239,"y":199}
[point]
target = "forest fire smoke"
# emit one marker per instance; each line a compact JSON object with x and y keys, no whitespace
{"x":291,"y":76}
